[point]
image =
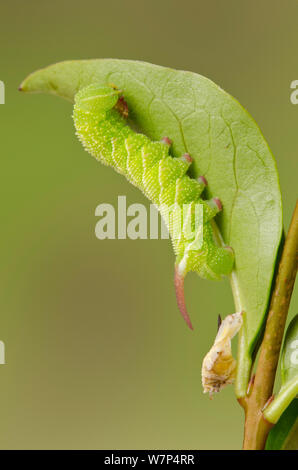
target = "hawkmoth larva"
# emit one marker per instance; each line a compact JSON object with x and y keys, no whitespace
{"x":100,"y":121}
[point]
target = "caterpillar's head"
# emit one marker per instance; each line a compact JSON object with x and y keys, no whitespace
{"x":96,"y":99}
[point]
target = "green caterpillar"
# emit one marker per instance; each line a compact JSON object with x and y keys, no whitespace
{"x":100,"y":120}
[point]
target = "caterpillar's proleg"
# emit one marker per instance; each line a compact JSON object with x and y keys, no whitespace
{"x":167,"y":141}
{"x":100,"y":120}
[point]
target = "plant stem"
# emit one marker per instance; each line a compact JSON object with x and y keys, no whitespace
{"x":260,"y":390}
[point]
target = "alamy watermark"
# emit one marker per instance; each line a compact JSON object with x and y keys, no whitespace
{"x":134,"y":222}
{"x":2,"y":92}
{"x":2,"y":353}
{"x":294,"y":94}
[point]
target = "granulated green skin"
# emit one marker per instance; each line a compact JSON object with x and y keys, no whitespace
{"x":105,"y":134}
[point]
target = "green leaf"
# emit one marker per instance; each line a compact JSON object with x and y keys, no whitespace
{"x":284,"y":435}
{"x":227,"y":147}
{"x":289,"y":374}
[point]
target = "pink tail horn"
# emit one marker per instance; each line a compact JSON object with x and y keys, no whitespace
{"x":179,"y":288}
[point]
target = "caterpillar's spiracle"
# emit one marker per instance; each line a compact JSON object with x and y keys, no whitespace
{"x":100,"y":120}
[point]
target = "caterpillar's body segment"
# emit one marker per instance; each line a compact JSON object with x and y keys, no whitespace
{"x":99,"y":117}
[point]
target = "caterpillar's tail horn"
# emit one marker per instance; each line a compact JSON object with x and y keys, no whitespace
{"x":179,"y":289}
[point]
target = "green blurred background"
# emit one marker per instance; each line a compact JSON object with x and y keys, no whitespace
{"x":97,"y":354}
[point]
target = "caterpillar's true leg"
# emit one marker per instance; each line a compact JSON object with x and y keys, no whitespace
{"x":122,"y":107}
{"x":179,"y":289}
